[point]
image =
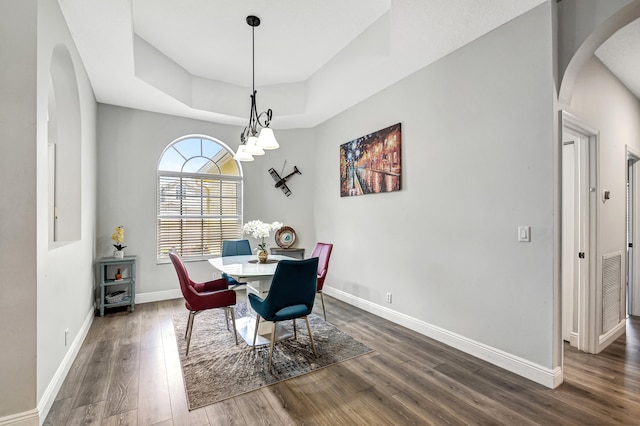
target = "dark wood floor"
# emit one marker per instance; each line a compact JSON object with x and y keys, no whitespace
{"x":128,"y":373}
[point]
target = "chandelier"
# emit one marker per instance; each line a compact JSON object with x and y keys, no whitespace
{"x":254,"y":141}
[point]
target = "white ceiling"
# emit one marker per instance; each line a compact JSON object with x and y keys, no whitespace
{"x":621,"y":54}
{"x":314,"y":58}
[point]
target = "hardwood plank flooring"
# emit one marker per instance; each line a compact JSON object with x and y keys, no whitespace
{"x":128,"y":373}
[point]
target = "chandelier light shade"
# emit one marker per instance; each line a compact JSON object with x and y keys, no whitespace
{"x":257,"y":136}
{"x":252,"y":146}
{"x":267,"y":140}
{"x":242,"y":154}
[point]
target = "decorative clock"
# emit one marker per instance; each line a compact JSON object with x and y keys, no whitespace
{"x":285,"y":237}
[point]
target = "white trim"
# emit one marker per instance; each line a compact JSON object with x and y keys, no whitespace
{"x":632,"y":152}
{"x":49,"y":396}
{"x":26,"y":418}
{"x":632,"y":304}
{"x":609,"y":337}
{"x":573,"y":339}
{"x":158,"y":296}
{"x":558,"y":377}
{"x":588,"y":230}
{"x":52,"y":390}
{"x":545,"y":376}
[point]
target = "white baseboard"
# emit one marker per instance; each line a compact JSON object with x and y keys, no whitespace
{"x":610,"y":336}
{"x":573,"y":339}
{"x":26,"y":418}
{"x":545,"y":376}
{"x":49,"y":396}
{"x":157,"y":296}
{"x":558,"y":377}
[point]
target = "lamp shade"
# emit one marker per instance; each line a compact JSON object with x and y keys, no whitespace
{"x":267,"y":140}
{"x":242,"y":154}
{"x":252,"y":148}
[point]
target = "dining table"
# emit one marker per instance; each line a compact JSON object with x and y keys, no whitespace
{"x":258,"y":276}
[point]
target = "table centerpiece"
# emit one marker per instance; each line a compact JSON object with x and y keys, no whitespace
{"x":260,"y":230}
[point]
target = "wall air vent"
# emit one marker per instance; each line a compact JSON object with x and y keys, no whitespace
{"x":611,"y":290}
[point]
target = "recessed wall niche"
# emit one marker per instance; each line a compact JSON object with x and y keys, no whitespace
{"x":64,"y":179}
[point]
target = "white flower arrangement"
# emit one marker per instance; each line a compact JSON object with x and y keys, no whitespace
{"x":260,"y":230}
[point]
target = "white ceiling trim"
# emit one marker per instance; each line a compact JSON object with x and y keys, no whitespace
{"x":318,"y":64}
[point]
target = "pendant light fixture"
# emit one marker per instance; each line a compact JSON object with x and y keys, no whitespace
{"x":254,"y":141}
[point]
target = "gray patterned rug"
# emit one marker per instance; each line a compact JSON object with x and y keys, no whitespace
{"x":217,"y":368}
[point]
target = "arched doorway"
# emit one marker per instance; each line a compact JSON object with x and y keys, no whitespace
{"x":599,"y":305}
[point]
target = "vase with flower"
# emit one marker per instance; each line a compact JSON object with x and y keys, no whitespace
{"x":260,"y":230}
{"x":118,"y":239}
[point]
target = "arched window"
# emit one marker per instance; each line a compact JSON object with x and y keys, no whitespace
{"x":199,"y":198}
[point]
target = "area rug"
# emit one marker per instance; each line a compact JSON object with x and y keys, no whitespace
{"x":217,"y":368}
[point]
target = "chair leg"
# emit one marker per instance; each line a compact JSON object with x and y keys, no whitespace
{"x":295,"y":330}
{"x":186,"y":331}
{"x":313,"y":344}
{"x":226,"y":318}
{"x":255,"y":332}
{"x":233,"y":323}
{"x":192,"y":315}
{"x":273,"y":342}
{"x":323,"y":311}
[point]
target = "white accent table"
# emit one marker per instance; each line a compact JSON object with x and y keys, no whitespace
{"x":258,"y":277}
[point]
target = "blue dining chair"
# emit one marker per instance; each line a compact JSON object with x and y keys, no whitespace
{"x":234,"y":248}
{"x":290,"y":296}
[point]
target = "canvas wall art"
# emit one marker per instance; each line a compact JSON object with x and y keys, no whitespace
{"x":371,"y":164}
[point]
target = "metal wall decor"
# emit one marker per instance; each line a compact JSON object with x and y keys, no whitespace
{"x":281,"y":181}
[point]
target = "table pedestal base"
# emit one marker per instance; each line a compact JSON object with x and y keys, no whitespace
{"x":247,"y":325}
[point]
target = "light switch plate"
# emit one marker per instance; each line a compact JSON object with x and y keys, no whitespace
{"x":524,"y":234}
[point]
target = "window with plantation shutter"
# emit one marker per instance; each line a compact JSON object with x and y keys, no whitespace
{"x":199,"y":198}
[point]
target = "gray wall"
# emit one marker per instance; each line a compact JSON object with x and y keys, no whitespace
{"x":477,"y":163}
{"x":18,"y":225}
{"x":606,"y":105}
{"x":65,"y":269}
{"x":577,"y":20}
{"x":130,"y":145}
{"x":46,"y":289}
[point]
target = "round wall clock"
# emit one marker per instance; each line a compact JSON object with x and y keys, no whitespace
{"x":285,"y":237}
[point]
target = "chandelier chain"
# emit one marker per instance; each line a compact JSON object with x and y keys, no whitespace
{"x":249,"y":138}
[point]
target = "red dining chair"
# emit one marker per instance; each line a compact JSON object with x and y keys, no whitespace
{"x":202,"y":296}
{"x":323,"y":252}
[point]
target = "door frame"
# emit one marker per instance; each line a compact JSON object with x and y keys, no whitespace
{"x":569,"y":262}
{"x":633,"y":260}
{"x":587,"y":212}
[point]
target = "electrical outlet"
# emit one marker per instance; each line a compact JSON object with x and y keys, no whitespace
{"x":66,"y":337}
{"x":388,"y":298}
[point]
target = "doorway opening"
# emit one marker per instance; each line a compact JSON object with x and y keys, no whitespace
{"x":579,"y":211}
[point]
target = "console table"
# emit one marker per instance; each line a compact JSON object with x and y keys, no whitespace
{"x":107,"y":281}
{"x":297,"y":253}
